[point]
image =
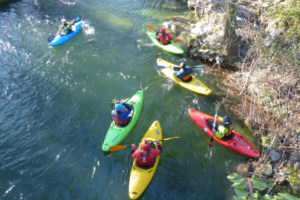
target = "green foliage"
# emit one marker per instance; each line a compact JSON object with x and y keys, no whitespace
{"x":234,"y":177}
{"x":287,"y":16}
{"x":285,"y":196}
{"x":241,"y":185}
{"x":239,"y":198}
{"x":258,"y":184}
{"x":240,"y":192}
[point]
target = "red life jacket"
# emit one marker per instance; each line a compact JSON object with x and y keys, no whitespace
{"x":117,"y":120}
{"x":165,"y":38}
{"x":144,"y":159}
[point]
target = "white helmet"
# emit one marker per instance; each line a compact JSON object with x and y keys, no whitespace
{"x":63,"y":20}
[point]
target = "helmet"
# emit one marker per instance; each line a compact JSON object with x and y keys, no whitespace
{"x":119,"y":107}
{"x":145,"y":145}
{"x":226,"y":120}
{"x":63,"y":20}
{"x":182,"y":65}
{"x":163,"y":29}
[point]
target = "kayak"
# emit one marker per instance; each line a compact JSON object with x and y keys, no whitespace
{"x":115,"y":133}
{"x":237,"y":142}
{"x":194,"y":85}
{"x":172,"y":47}
{"x":59,"y":40}
{"x":140,"y":178}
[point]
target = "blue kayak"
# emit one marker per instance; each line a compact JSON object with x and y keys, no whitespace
{"x":61,"y":39}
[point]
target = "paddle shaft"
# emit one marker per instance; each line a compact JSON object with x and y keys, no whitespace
{"x":119,"y":147}
{"x":214,"y":125}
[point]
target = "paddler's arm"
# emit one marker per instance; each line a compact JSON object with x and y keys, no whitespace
{"x":158,"y":146}
{"x":133,"y":155}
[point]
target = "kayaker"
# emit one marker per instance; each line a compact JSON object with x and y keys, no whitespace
{"x":145,"y":155}
{"x":66,"y":27}
{"x":224,"y":129}
{"x":163,"y":37}
{"x":184,"y":73}
{"x":120,"y":114}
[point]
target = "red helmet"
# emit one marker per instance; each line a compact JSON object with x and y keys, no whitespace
{"x":163,"y":29}
{"x":145,"y":145}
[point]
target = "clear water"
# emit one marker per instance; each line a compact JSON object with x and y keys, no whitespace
{"x":56,"y":102}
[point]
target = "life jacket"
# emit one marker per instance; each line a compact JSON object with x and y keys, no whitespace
{"x":165,"y":38}
{"x":187,"y":77}
{"x":144,"y":159}
{"x":223,"y":131}
{"x":117,"y":120}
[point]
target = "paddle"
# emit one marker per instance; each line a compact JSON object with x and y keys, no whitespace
{"x":214,"y":125}
{"x":120,"y":147}
{"x":160,"y":67}
{"x":153,"y":29}
{"x":51,"y":38}
{"x":124,"y":100}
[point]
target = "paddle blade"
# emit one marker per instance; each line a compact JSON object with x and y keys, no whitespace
{"x":176,"y":39}
{"x":151,"y":28}
{"x":159,"y":67}
{"x":211,"y":142}
{"x":77,"y":19}
{"x":217,"y":106}
{"x":51,"y":38}
{"x":171,"y":138}
{"x":117,"y":148}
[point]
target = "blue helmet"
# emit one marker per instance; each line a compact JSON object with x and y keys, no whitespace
{"x":119,"y":107}
{"x":226,"y":120}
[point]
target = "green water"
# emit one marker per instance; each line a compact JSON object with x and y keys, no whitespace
{"x":56,"y":102}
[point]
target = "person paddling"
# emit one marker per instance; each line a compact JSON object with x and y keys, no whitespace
{"x":225,"y":128}
{"x":145,"y":155}
{"x":120,"y":114}
{"x":66,"y":27}
{"x":163,"y":37}
{"x":184,"y":73}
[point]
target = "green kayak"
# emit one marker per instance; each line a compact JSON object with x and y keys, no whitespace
{"x":171,"y":47}
{"x":116,"y":134}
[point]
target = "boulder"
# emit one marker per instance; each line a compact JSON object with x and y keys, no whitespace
{"x":267,"y":170}
{"x":275,"y":155}
{"x":169,"y":25}
{"x":295,"y":157}
{"x":297,"y":166}
{"x":281,"y":180}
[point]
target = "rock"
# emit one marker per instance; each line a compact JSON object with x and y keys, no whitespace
{"x":286,"y":142}
{"x":297,"y":166}
{"x":197,"y":31}
{"x":295,"y":157}
{"x":169,"y":25}
{"x":242,"y":169}
{"x":275,"y":156}
{"x":241,"y":21}
{"x":281,"y":180}
{"x":267,"y":170}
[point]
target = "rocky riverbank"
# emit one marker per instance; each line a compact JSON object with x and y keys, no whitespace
{"x":255,"y":44}
{"x":252,"y":43}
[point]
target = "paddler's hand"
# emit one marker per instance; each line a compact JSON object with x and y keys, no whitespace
{"x":216,"y":116}
{"x":157,"y":141}
{"x":133,"y":146}
{"x":213,"y":131}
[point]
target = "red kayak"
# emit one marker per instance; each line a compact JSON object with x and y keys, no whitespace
{"x":235,"y":142}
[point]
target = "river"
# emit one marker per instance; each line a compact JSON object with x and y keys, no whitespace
{"x":56,"y":102}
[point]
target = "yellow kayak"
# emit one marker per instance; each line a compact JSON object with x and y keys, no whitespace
{"x":194,"y":85}
{"x":140,"y":178}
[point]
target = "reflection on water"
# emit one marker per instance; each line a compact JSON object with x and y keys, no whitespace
{"x":55,"y":105}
